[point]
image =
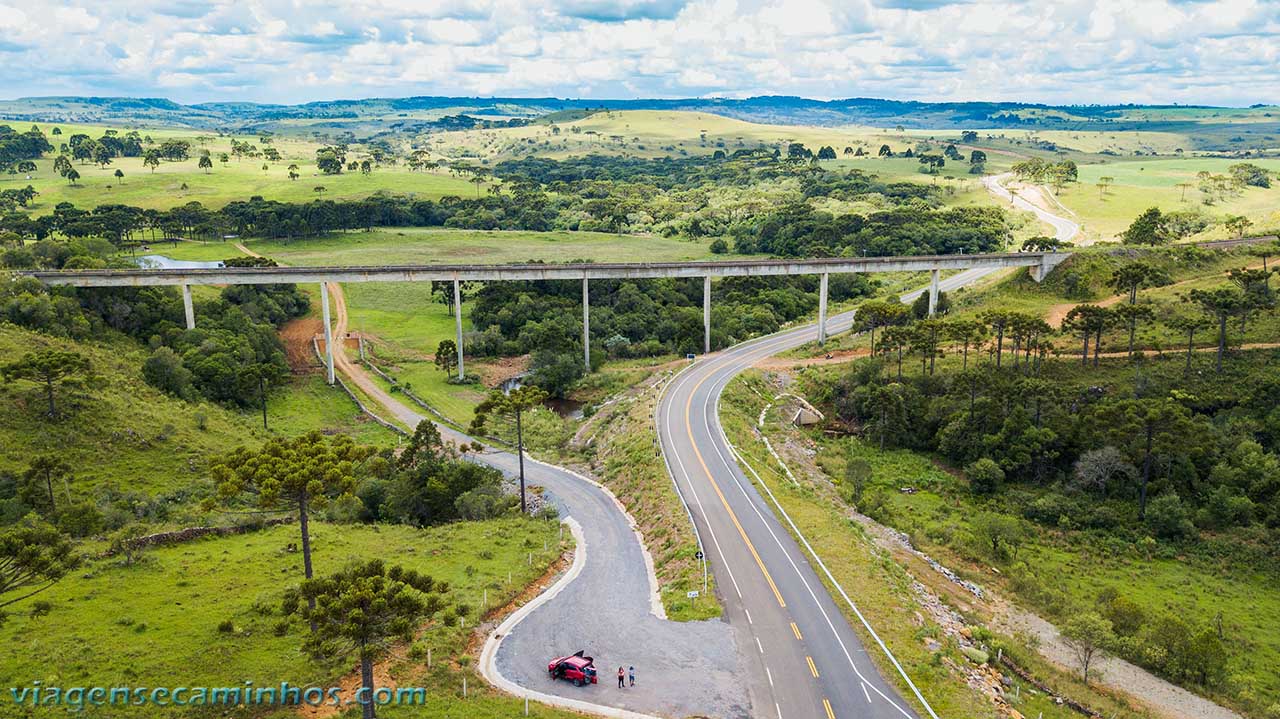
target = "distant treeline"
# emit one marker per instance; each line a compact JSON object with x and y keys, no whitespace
{"x":766,"y":209}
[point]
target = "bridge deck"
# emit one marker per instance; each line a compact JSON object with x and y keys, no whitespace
{"x":536,"y":271}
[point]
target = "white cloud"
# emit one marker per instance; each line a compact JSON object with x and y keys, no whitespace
{"x":1219,"y":51}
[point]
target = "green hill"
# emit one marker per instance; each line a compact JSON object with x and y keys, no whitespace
{"x":119,"y":431}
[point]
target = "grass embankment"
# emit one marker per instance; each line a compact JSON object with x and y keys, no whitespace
{"x":1086,"y":277}
{"x":1225,"y":575}
{"x":880,"y":585}
{"x":117,"y":430}
{"x":625,"y":456}
{"x":156,"y":624}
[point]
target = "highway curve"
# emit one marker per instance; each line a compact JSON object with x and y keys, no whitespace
{"x":804,"y":658}
{"x":610,"y":609}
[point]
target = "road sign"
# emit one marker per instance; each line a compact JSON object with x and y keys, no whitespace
{"x":697,"y":555}
{"x":692,"y":594}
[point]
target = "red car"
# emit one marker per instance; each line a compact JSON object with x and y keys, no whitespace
{"x":575,"y":668}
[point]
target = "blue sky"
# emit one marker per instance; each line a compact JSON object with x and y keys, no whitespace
{"x":1059,"y":51}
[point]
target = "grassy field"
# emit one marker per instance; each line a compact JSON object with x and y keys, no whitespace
{"x":164,"y":188}
{"x":237,"y":179}
{"x":435,"y":246}
{"x":119,"y":431}
{"x":1139,"y":184}
{"x":654,"y":133}
{"x":155,"y":624}
{"x":881,"y":587}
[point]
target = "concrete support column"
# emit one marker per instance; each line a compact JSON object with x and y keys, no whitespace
{"x":706,"y":314}
{"x":457,"y":323}
{"x":586,"y":325}
{"x":328,"y":332}
{"x":933,"y":292}
{"x":822,"y":309}
{"x":188,"y":307}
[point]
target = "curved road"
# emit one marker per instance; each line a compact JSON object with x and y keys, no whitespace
{"x":1063,"y":229}
{"x":803,"y":655}
{"x":804,"y":658}
{"x":610,"y":609}
{"x":785,"y":632}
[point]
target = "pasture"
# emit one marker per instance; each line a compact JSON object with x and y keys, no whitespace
{"x":1139,"y":184}
{"x":175,"y":183}
{"x":204,"y":613}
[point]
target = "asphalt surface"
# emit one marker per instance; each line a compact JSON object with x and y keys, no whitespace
{"x":803,"y":656}
{"x":784,"y":648}
{"x":608,"y":610}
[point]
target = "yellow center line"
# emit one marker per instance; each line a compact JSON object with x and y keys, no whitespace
{"x":812,"y":667}
{"x":827,"y":705}
{"x":734,"y":517}
{"x":796,"y":630}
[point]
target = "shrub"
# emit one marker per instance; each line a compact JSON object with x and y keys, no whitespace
{"x":80,"y":519}
{"x":1168,"y":518}
{"x":1125,"y":615}
{"x":719,"y":246}
{"x":226,"y":626}
{"x":984,"y":476}
{"x":164,"y":371}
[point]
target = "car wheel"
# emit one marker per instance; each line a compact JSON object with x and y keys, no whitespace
{"x":577,"y":682}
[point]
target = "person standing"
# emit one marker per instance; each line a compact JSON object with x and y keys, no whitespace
{"x":631,"y":675}
{"x":621,"y":677}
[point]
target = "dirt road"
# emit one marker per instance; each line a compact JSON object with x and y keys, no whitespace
{"x":1063,"y":228}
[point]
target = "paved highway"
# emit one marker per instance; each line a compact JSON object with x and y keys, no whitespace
{"x":610,"y":609}
{"x":804,"y":657}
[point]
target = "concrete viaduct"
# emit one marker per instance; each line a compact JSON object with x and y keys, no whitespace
{"x":1040,"y":263}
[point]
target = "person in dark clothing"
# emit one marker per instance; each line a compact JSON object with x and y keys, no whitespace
{"x":621,"y":678}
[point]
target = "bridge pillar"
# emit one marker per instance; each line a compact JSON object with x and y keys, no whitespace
{"x":328,"y":332}
{"x":706,"y":314}
{"x":457,"y":323}
{"x":586,"y":325}
{"x":188,"y":307}
{"x":933,"y":292}
{"x":822,"y":309}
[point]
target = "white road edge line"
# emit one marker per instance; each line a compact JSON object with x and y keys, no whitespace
{"x":812,"y":594}
{"x":489,"y":655}
{"x":845,"y":595}
{"x":864,"y":692}
{"x":696,"y":499}
{"x":655,"y":595}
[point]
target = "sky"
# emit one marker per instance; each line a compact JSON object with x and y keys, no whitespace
{"x":1224,"y":52}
